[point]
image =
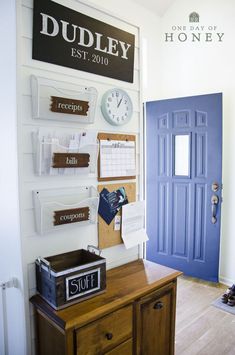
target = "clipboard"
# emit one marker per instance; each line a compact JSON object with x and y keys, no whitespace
{"x":118,"y":156}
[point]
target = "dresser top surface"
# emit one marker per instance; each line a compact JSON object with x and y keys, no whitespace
{"x":125,"y":284}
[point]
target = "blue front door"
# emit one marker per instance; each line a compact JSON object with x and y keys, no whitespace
{"x":184,"y":181}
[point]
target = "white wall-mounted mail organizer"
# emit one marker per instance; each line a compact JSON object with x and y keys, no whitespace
{"x":62,"y":101}
{"x":65,"y":153}
{"x":61,"y":208}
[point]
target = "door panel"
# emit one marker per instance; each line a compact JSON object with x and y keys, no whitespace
{"x":180,"y":220}
{"x":160,"y":321}
{"x":155,"y":323}
{"x":199,"y":226}
{"x":184,"y":159}
{"x":162,"y":154}
{"x":162,"y":227}
{"x":201,"y":153}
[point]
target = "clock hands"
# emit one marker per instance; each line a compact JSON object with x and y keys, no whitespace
{"x":119,"y":103}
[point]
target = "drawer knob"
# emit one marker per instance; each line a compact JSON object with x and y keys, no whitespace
{"x":158,"y":305}
{"x":109,"y":336}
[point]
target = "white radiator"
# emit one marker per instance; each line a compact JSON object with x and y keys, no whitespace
{"x":3,"y":314}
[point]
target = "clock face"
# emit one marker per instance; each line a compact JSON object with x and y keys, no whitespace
{"x":117,"y":107}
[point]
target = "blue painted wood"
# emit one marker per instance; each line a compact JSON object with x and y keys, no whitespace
{"x":179,"y":210}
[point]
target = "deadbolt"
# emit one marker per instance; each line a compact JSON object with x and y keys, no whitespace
{"x":215,"y":186}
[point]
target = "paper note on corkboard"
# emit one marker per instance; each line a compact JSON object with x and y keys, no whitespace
{"x":108,"y":236}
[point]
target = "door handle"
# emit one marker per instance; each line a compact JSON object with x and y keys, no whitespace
{"x":214,"y":204}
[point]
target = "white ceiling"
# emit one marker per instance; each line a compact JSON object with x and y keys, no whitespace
{"x":157,"y":6}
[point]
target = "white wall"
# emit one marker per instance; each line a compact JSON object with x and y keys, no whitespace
{"x":149,"y":24}
{"x":33,"y":244}
{"x":10,"y":245}
{"x":201,"y":68}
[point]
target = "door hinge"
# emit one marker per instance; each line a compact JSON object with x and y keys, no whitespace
{"x":9,"y":284}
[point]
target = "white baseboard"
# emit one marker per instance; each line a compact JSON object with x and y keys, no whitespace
{"x":225,"y":281}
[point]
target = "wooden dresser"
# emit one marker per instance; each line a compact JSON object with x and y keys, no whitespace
{"x":136,"y":315}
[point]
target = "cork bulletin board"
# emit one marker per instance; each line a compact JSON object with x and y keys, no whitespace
{"x":108,"y":237}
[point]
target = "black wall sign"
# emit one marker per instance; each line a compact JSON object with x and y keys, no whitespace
{"x":85,"y":283}
{"x":65,"y":37}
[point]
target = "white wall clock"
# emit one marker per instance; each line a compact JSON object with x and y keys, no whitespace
{"x":116,"y":107}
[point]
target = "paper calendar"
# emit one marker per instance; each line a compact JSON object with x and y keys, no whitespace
{"x":117,"y":159}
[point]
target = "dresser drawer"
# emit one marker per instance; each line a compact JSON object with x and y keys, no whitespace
{"x":123,"y":349}
{"x":105,"y":333}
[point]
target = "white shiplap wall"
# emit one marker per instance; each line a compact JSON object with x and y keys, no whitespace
{"x":34,"y":245}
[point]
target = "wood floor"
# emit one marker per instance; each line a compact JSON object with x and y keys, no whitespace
{"x":201,"y":328}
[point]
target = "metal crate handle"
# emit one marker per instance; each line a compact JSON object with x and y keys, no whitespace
{"x":45,"y":262}
{"x":92,"y":248}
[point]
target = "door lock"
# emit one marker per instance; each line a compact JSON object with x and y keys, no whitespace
{"x":215,"y":186}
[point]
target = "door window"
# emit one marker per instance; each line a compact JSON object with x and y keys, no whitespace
{"x":181,"y":155}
